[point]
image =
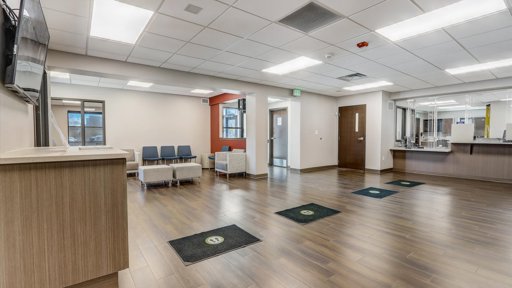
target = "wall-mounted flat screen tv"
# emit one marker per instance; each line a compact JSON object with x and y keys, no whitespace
{"x":25,"y":69}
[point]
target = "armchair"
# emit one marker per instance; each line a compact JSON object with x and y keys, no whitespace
{"x":230,"y":163}
{"x":132,"y":161}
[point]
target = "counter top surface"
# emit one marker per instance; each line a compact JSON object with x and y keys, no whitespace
{"x":436,"y":150}
{"x":60,"y":154}
{"x":485,"y":142}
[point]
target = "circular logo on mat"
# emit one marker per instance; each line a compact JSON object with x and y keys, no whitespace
{"x":214,"y":240}
{"x":405,"y":183}
{"x":374,"y":192}
{"x":307,"y":212}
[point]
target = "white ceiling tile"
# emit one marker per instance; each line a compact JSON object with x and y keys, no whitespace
{"x":150,"y":54}
{"x":238,"y":22}
{"x":271,"y":9}
{"x":210,"y":10}
{"x":349,"y":7}
{"x":277,"y":56}
{"x":103,"y":54}
{"x":429,"y":5}
{"x":439,"y":78}
{"x":446,"y":55}
{"x":493,"y":52}
{"x":143,"y":61}
{"x":213,"y":38}
{"x":385,"y":51}
{"x":229,"y":2}
{"x":174,"y":28}
{"x":340,"y":31}
{"x":349,"y":62}
{"x":249,"y":48}
{"x":68,"y":39}
{"x":151,"y":5}
{"x":304,"y":45}
{"x":65,"y":48}
{"x":243,"y":72}
{"x":416,"y":67}
{"x":184,"y":61}
{"x":488,"y":38}
{"x":162,"y":43}
{"x":230,"y":58}
{"x":321,"y":54}
{"x":386,"y":13}
{"x":213,"y":66}
{"x":198,"y":51}
{"x":66,"y":22}
{"x":425,"y":40}
{"x":108,"y":46}
{"x":79,"y":8}
{"x":503,"y":72}
{"x":410,"y":82}
{"x":256,"y":64}
{"x":481,"y":25}
{"x":329,"y":70}
{"x":476,"y":76}
{"x":396,"y":59}
{"x":168,"y":65}
{"x":276,"y":35}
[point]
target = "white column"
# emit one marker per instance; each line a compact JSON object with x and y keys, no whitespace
{"x":257,"y":130}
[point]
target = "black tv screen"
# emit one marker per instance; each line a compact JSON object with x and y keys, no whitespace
{"x":24,"y":75}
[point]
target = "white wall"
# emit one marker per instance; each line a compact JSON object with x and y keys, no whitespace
{"x":16,"y":122}
{"x":135,"y":119}
{"x":501,"y":114}
{"x":319,"y":131}
{"x":379,"y":127}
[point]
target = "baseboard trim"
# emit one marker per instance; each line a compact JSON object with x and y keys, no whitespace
{"x":313,"y":169}
{"x":375,"y":171}
{"x":486,"y":179}
{"x":257,"y":176}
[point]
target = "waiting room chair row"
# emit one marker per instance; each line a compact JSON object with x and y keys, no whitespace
{"x":167,"y":153}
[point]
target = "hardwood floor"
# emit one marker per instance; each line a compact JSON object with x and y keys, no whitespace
{"x":446,"y":233}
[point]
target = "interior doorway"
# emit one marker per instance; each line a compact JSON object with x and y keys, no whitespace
{"x":352,"y":137}
{"x":278,"y":150}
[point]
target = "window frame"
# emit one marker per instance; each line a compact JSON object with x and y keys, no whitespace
{"x":82,"y":113}
{"x":224,"y":126}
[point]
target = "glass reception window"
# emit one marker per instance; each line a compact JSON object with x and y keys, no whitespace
{"x":74,"y":128}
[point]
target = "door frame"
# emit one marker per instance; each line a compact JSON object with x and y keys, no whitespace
{"x":271,"y":133}
{"x":339,"y":134}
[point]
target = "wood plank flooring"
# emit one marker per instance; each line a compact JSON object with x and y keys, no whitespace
{"x":446,"y":233}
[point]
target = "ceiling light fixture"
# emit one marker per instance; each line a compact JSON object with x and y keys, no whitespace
{"x":118,"y":21}
{"x":461,"y":107}
{"x":201,"y":91}
{"x":456,"y":13}
{"x":481,"y":67}
{"x":140,"y":84}
{"x":438,"y":103}
{"x":292,"y":65}
{"x":61,"y":75}
{"x":89,"y":109}
{"x":368,"y":86}
{"x":71,"y":102}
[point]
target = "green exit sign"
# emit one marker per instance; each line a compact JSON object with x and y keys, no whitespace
{"x":297,"y":92}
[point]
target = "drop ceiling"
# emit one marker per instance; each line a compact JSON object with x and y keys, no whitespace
{"x":236,"y":39}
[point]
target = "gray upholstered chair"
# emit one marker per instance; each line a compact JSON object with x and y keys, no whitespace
{"x":132,"y":161}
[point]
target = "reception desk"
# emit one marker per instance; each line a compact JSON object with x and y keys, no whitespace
{"x":482,"y":160}
{"x":63,"y":217}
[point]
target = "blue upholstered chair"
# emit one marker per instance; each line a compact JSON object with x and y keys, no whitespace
{"x":168,"y":153}
{"x":223,"y":149}
{"x":150,"y":153}
{"x":185,"y":153}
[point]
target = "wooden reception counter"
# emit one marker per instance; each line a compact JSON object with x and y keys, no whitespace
{"x":482,"y":160}
{"x":63,"y":217}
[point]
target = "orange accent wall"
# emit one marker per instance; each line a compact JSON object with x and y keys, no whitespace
{"x":216,"y":142}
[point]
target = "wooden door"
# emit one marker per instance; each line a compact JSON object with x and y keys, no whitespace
{"x":352,"y":137}
{"x":279,"y":138}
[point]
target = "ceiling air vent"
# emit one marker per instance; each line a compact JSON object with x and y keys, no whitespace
{"x":193,"y":9}
{"x":205,"y":101}
{"x":352,"y":77}
{"x":310,"y":17}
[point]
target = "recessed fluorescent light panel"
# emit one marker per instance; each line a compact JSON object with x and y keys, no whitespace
{"x":118,"y":21}
{"x":456,"y":13}
{"x":201,"y":91}
{"x":61,"y":75}
{"x":140,"y":84}
{"x":292,"y":65}
{"x":368,"y":86}
{"x":71,"y":102}
{"x":481,"y":67}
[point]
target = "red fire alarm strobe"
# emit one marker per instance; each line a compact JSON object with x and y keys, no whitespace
{"x":362,"y":44}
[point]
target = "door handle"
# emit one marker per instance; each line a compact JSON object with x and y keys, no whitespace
{"x":360,"y":139}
